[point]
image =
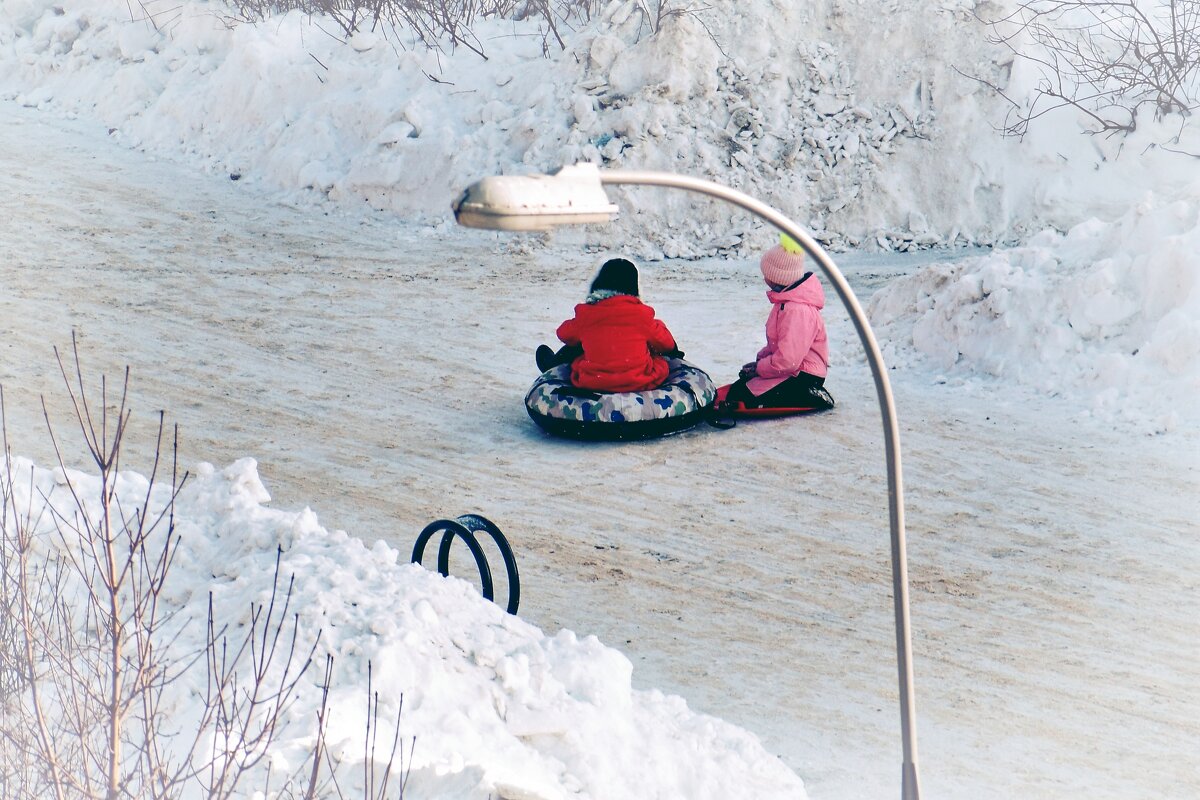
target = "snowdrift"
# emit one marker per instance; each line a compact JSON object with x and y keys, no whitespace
{"x":497,"y":708}
{"x":859,"y":119}
{"x":1108,"y":310}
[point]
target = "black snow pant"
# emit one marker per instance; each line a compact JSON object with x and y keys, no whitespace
{"x":801,"y":391}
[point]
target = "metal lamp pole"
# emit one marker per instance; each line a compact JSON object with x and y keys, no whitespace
{"x":573,"y":196}
{"x":911,"y":786}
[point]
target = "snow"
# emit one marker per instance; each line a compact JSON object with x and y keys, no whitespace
{"x":803,"y":113}
{"x":522,"y":714}
{"x":886,"y":146}
{"x":1107,"y":312}
{"x":1046,"y":386}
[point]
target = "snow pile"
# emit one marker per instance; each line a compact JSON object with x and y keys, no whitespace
{"x":779,"y":119}
{"x":289,"y":105}
{"x":497,"y":708}
{"x":856,"y":119}
{"x":1109,"y":309}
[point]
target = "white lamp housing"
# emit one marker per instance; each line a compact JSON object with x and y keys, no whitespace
{"x":572,"y":195}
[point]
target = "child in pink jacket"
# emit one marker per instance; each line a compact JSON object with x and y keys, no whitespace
{"x":789,"y":373}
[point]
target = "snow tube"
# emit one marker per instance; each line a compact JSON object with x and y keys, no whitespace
{"x":565,"y":410}
{"x":819,"y":400}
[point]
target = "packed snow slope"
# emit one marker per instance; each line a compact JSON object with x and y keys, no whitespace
{"x":375,"y":370}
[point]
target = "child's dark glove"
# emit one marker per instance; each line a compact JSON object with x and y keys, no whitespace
{"x":749,"y":370}
{"x":676,"y":353}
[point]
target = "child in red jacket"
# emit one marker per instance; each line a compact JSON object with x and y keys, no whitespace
{"x":613,"y":343}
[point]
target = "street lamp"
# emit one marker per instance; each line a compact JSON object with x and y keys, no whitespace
{"x":575,"y":194}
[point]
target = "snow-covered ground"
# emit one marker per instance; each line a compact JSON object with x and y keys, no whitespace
{"x":374,"y":368}
{"x":378,"y":381}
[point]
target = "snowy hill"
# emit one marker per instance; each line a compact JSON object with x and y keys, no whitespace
{"x":856,"y":118}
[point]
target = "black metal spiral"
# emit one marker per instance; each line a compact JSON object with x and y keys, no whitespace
{"x":465,"y":528}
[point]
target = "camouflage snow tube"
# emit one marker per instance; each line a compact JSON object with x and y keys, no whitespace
{"x":564,"y":410}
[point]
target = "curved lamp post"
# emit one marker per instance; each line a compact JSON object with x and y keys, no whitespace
{"x":574,"y":195}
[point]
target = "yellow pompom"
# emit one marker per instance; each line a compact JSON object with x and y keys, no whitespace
{"x":789,"y":244}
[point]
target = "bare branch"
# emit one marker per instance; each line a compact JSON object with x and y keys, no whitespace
{"x":1107,"y":59}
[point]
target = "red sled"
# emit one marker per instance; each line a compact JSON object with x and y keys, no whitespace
{"x":821,"y":401}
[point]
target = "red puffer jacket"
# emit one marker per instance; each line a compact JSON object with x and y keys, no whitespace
{"x":620,"y":337}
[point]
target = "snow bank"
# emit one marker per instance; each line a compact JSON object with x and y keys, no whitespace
{"x":1109,"y":310}
{"x":857,"y":119}
{"x":497,"y":708}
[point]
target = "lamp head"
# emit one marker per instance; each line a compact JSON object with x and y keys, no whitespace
{"x":572,"y":195}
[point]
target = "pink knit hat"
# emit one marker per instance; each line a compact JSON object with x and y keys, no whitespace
{"x":783,"y":264}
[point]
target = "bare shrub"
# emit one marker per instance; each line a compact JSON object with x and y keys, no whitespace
{"x":430,"y":21}
{"x":657,"y":12}
{"x":433,"y":22}
{"x":652,"y":15}
{"x":87,"y":663}
{"x":85,"y":637}
{"x":377,"y":773}
{"x":162,"y":15}
{"x":242,"y":712}
{"x":1109,"y":59}
{"x":83,"y":577}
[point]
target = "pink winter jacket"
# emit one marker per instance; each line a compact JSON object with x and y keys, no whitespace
{"x":796,"y":339}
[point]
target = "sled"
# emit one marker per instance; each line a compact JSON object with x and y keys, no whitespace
{"x":821,"y":401}
{"x":561,"y":409}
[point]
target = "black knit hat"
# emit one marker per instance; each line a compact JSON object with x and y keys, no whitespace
{"x":617,"y":275}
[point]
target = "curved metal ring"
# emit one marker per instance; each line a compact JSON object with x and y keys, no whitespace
{"x":465,"y":527}
{"x":475,"y":522}
{"x":450,"y":529}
